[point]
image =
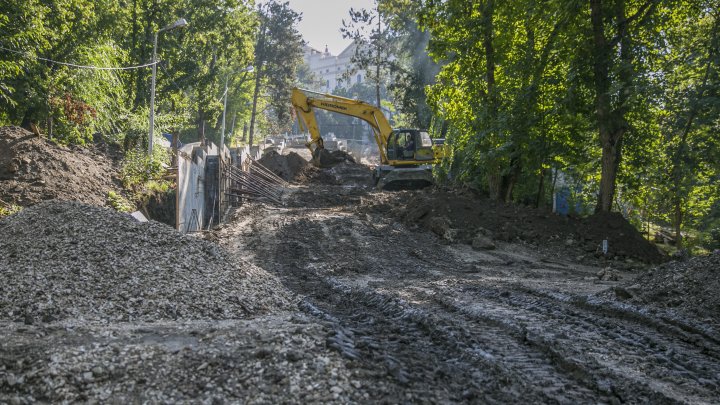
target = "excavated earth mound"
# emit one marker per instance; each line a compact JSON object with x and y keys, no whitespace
{"x":33,"y":169}
{"x":290,"y":167}
{"x":464,"y":217}
{"x":689,"y":286}
{"x":330,"y":158}
{"x":347,"y":173}
{"x":66,"y":260}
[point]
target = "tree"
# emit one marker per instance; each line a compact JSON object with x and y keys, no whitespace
{"x":278,"y":53}
{"x":501,"y":79}
{"x":374,"y":46}
{"x":613,"y":73}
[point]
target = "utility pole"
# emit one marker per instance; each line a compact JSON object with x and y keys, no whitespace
{"x":177,"y":24}
{"x":222,"y":131}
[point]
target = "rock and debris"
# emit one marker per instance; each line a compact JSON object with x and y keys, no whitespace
{"x":328,"y":158}
{"x":418,"y":314}
{"x":271,"y":359}
{"x":689,"y":287}
{"x":67,"y":260}
{"x":34,"y":169}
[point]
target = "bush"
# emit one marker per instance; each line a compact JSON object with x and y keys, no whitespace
{"x":8,"y":209}
{"x":119,"y":203}
{"x":138,"y":169}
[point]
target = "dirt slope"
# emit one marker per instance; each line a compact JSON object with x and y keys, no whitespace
{"x":685,"y":287}
{"x":460,"y":216}
{"x":390,"y":310}
{"x":33,"y":169}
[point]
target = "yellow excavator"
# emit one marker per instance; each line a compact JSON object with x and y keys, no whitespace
{"x":406,"y":155}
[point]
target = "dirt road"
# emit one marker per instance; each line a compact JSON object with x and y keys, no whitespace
{"x":419,"y":320}
{"x":343,"y":295}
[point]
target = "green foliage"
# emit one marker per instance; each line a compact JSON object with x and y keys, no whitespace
{"x":119,"y":203}
{"x":278,"y":54}
{"x":528,"y":87}
{"x":138,"y":169}
{"x":72,"y":104}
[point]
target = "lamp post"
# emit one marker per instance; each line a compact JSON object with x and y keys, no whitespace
{"x":222,"y":132}
{"x":177,"y":24}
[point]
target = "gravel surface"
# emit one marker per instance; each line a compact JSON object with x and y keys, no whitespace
{"x":63,"y":260}
{"x":272,"y":359}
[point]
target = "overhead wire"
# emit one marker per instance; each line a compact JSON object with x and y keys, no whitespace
{"x":27,"y":55}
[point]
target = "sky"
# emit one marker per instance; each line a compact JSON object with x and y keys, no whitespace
{"x":322,"y":19}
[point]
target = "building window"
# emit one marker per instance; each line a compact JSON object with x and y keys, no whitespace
{"x":327,"y":84}
{"x":359,"y":78}
{"x":327,"y":70}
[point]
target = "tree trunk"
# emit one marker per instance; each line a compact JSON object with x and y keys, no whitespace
{"x":611,"y":152}
{"x":611,"y":124}
{"x":540,"y":197}
{"x":677,"y":221}
{"x":497,"y":183}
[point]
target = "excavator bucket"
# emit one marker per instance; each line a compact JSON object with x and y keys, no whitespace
{"x":403,"y":178}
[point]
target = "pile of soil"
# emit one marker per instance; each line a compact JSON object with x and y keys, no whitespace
{"x":67,"y":260}
{"x":623,"y":238}
{"x":328,"y":158}
{"x":689,"y":286}
{"x":462,"y":216}
{"x":346,"y":173}
{"x":34,"y":169}
{"x":289,"y":166}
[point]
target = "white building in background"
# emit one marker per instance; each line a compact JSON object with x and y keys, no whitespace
{"x":331,"y":69}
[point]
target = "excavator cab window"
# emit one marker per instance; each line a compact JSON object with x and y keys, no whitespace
{"x":402,"y":145}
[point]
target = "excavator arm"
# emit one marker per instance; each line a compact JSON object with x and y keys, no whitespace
{"x":305,"y":101}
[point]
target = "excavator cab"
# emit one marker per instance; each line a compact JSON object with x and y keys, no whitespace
{"x":409,"y":145}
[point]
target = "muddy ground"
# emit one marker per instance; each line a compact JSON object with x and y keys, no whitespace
{"x":383,"y":306}
{"x":422,"y":319}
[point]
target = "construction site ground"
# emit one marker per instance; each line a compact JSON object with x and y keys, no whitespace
{"x":347,"y":294}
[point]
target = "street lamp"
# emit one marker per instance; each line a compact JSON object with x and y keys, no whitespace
{"x":177,"y":24}
{"x":222,"y":132}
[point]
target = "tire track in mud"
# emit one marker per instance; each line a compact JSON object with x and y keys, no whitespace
{"x":634,"y":361}
{"x":517,"y":372}
{"x":514,"y":369}
{"x":402,"y":305}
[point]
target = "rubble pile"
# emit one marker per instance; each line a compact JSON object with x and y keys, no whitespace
{"x":67,"y":260}
{"x":34,"y":169}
